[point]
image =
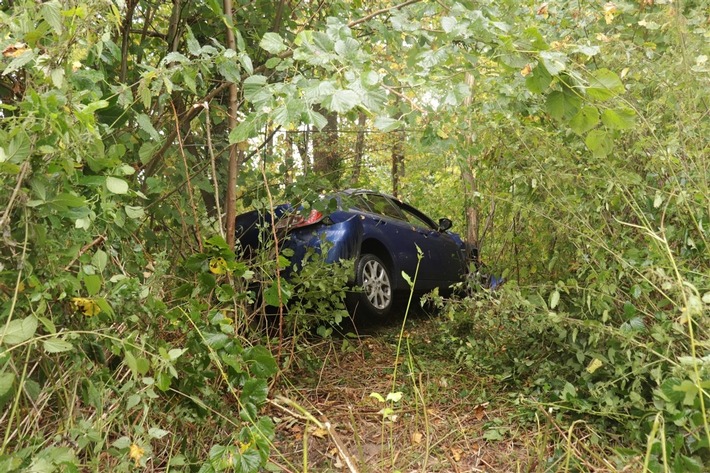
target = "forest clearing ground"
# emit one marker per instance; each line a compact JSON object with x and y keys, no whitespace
{"x":448,"y":419}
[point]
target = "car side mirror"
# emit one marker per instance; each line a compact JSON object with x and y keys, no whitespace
{"x":445,"y":224}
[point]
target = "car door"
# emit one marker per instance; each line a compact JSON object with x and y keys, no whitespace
{"x":394,"y":227}
{"x":448,"y":262}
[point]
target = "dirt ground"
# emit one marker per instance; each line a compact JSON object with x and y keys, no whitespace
{"x":435,"y":416}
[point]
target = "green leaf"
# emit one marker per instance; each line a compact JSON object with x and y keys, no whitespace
{"x":341,"y":101}
{"x":6,"y":382}
{"x":554,"y":299}
{"x":604,"y":85}
{"x":18,"y":330}
{"x":246,"y":129}
{"x":18,"y":149}
{"x":562,"y":106}
{"x":100,"y":259}
{"x":586,"y":119}
{"x":554,"y":62}
{"x":52,"y":15}
{"x":145,"y":153}
{"x":386,"y":124}
{"x":316,"y":119}
{"x":156,"y":433}
{"x":19,"y":62}
{"x":254,"y":391}
{"x":122,"y":443}
{"x":619,"y":119}
{"x":135,"y":212}
{"x":116,"y":185}
{"x":56,"y":345}
{"x":262,"y":363}
{"x":145,"y":124}
{"x":93,"y":284}
{"x":66,"y":200}
{"x":273,"y":43}
{"x":539,"y":80}
{"x":599,"y":143}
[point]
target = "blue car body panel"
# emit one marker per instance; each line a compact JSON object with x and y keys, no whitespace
{"x":356,"y":228}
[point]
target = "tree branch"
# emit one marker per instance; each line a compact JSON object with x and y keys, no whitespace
{"x":380,"y":12}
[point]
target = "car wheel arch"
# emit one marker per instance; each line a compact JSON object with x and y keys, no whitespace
{"x":377,"y":248}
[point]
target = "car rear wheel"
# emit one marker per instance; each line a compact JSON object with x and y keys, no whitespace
{"x":374,"y":277}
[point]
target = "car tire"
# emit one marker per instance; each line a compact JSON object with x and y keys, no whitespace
{"x":375,"y":279}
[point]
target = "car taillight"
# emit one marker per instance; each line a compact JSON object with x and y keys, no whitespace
{"x":298,"y":221}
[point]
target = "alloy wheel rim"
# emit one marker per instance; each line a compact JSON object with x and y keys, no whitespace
{"x":376,"y":285}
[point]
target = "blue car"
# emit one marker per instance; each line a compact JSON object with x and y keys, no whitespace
{"x":380,"y":233}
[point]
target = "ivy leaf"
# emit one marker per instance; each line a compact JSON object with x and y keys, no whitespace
{"x":273,"y":43}
{"x":619,"y":119}
{"x":604,"y":85}
{"x":586,"y":119}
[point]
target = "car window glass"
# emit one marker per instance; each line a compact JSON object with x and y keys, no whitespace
{"x":358,"y":202}
{"x":381,"y":205}
{"x":416,"y":220}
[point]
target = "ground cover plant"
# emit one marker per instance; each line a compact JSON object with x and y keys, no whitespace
{"x":567,"y":141}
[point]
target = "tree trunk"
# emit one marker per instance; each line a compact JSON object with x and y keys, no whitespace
{"x":397,"y":161}
{"x":326,"y":156}
{"x":469,"y":182}
{"x":359,"y":149}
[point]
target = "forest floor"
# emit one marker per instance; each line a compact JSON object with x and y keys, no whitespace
{"x":448,"y":419}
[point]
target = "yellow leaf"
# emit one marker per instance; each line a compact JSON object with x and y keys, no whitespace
{"x":86,"y":306}
{"x":610,"y":11}
{"x":14,"y":50}
{"x":320,"y":433}
{"x":542,"y":11}
{"x":526,"y":70}
{"x":594,"y":365}
{"x":456,"y":453}
{"x":218,"y":265}
{"x":136,"y":453}
{"x":417,"y":438}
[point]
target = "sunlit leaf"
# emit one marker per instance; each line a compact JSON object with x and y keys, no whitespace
{"x":619,"y":119}
{"x":604,"y":85}
{"x":273,"y":43}
{"x":116,"y":185}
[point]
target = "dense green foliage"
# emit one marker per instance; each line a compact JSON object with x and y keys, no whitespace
{"x":576,"y":133}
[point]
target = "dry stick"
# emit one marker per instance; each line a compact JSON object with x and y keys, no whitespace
{"x":190,"y":192}
{"x":379,"y":12}
{"x":303,"y":414}
{"x":21,"y":177}
{"x":213,"y":161}
{"x":192,"y":113}
{"x":97,"y":241}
